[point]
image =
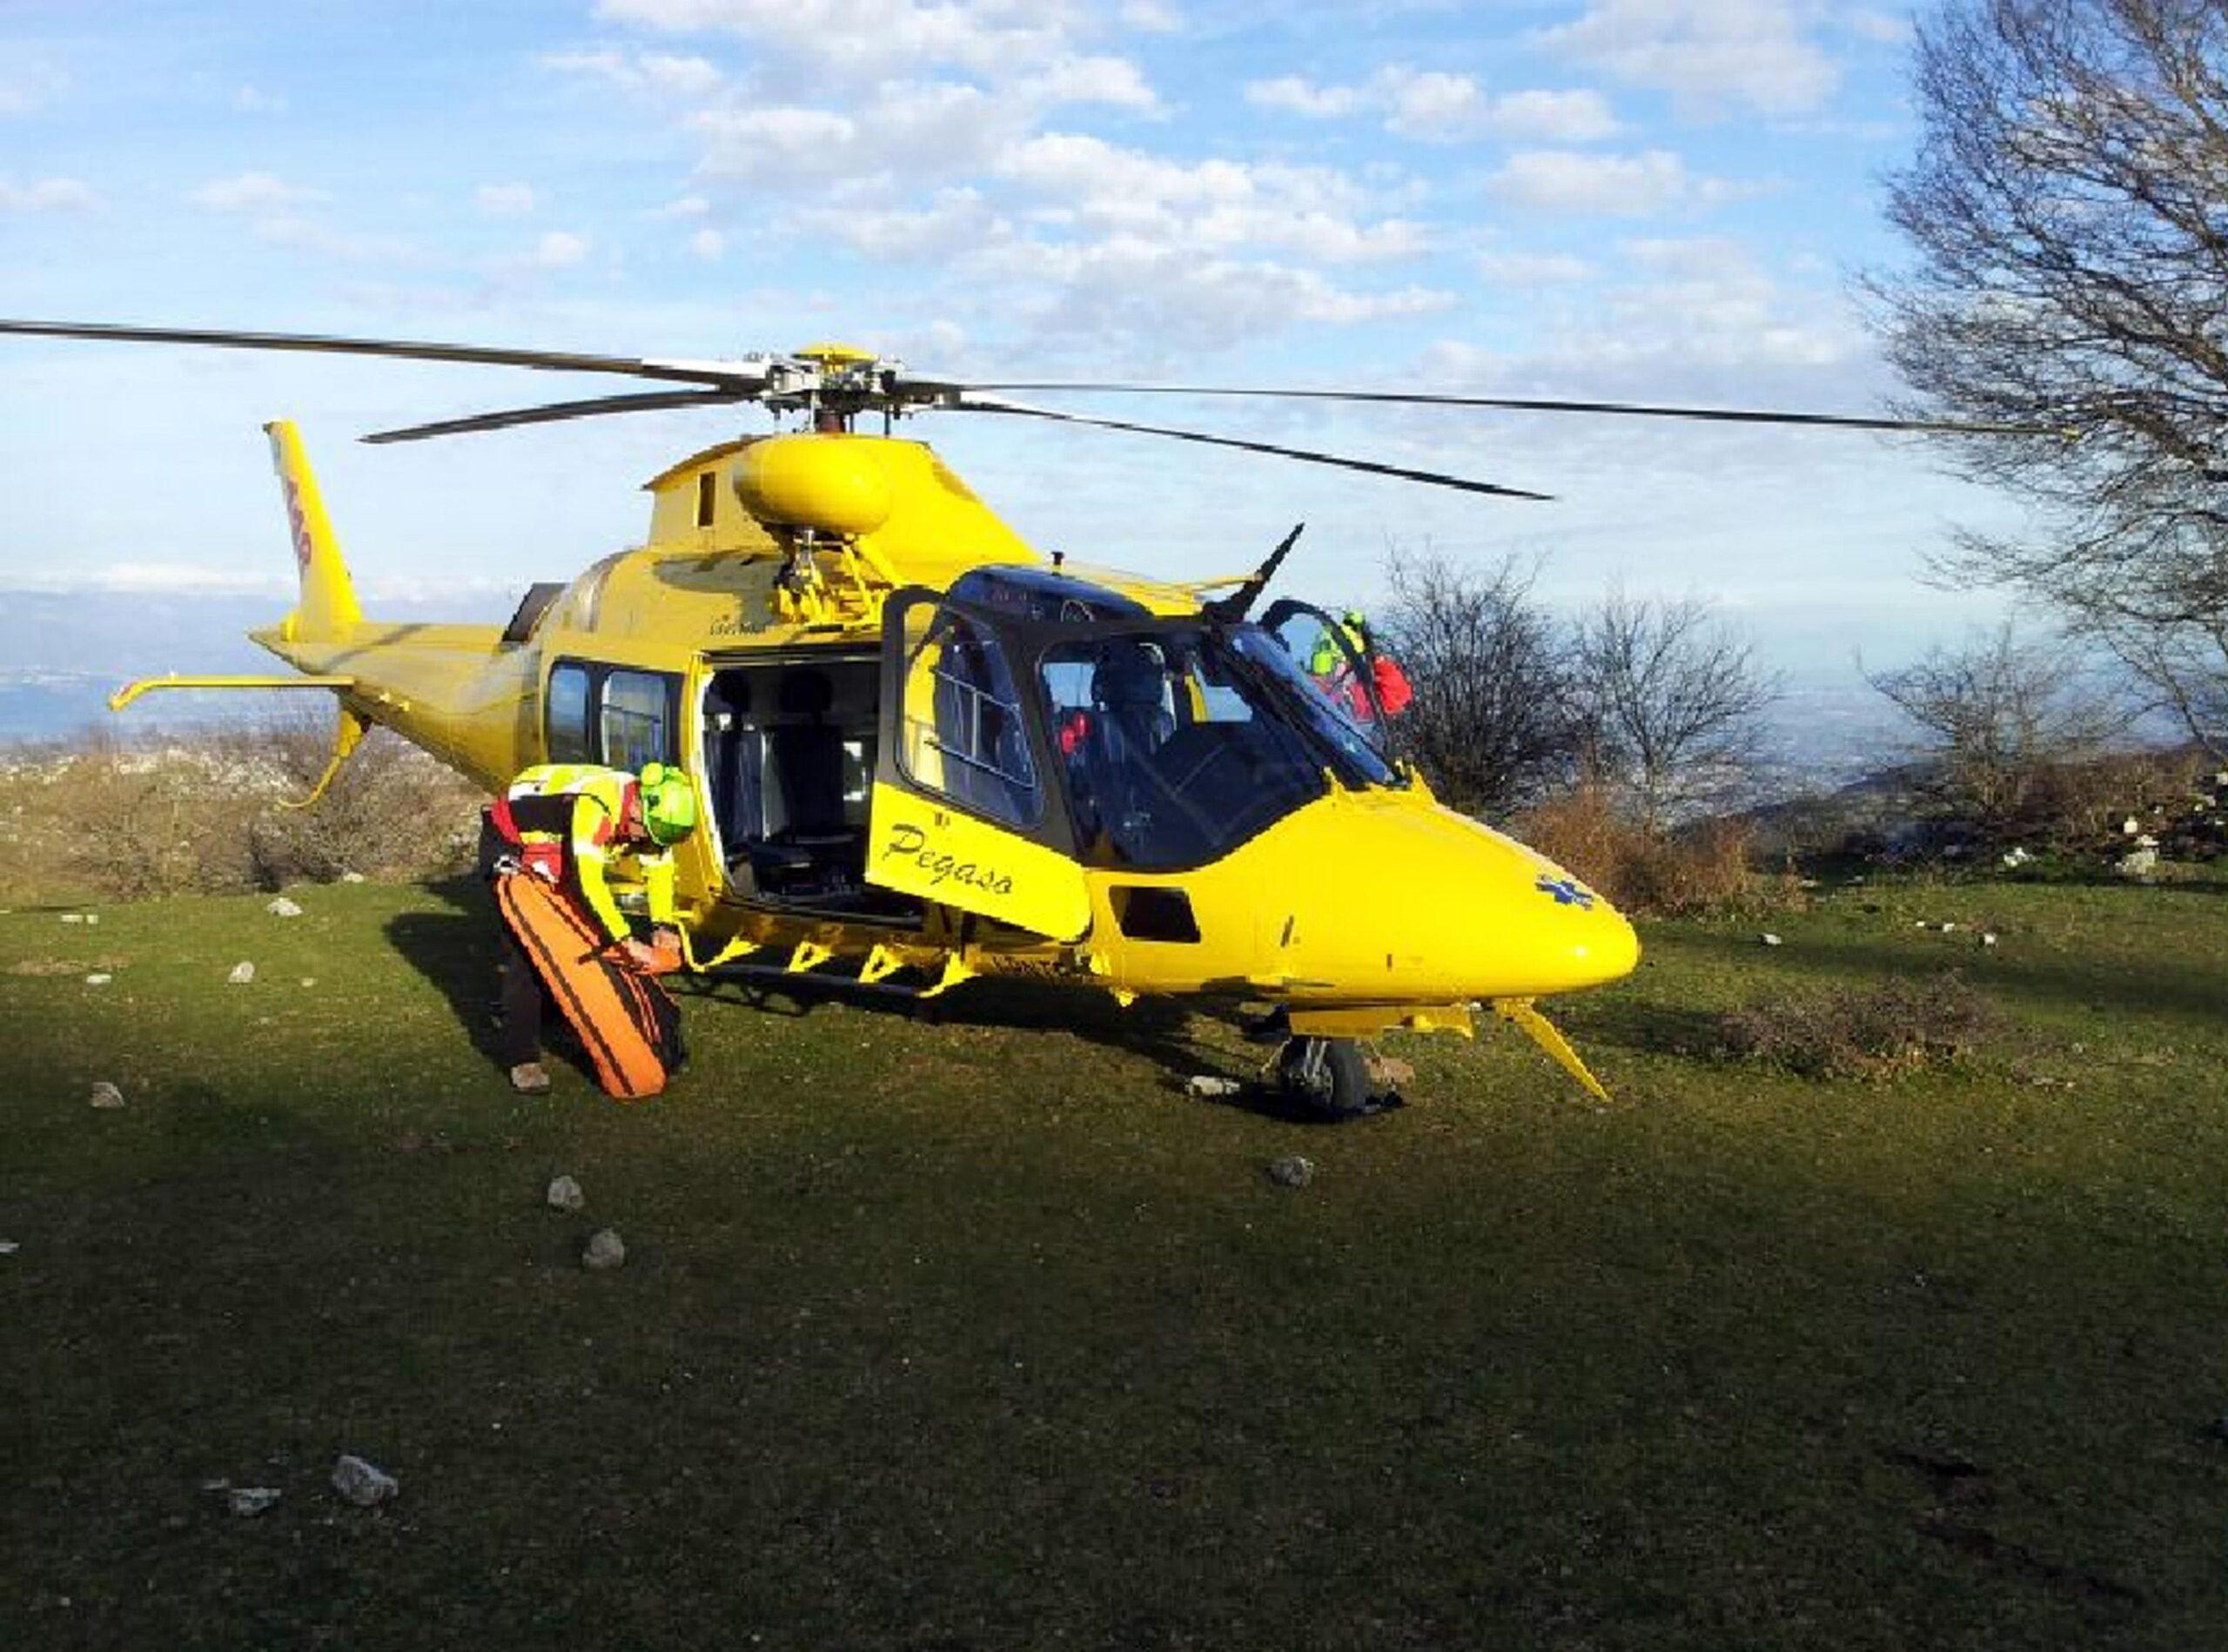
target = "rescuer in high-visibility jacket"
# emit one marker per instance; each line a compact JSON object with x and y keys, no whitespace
{"x":567,"y":823}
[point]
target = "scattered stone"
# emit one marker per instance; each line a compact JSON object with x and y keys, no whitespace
{"x":1292,"y":1171}
{"x":362,"y":1484}
{"x":93,"y":918}
{"x":2140,"y":862}
{"x":2016,"y":857}
{"x":243,"y":972}
{"x":99,"y":978}
{"x":1987,"y":937}
{"x":250,"y":1500}
{"x":281,"y":907}
{"x":351,"y":878}
{"x":2131,"y":826}
{"x":106,"y":1096}
{"x":605,"y":1249}
{"x":1389,"y":1072}
{"x":1948,"y":928}
{"x":1208,"y":1085}
{"x":2146,"y":841}
{"x":564,"y":1194}
{"x":73,"y":917}
{"x":9,"y":1247}
{"x":309,"y":980}
{"x":1769,"y":939}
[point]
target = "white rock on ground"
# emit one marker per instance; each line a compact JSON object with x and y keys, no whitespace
{"x":564,"y":1194}
{"x":250,"y":1500}
{"x":9,"y":1247}
{"x":73,"y":917}
{"x":243,"y":972}
{"x":284,"y":908}
{"x":362,"y":1484}
{"x":604,"y":1249}
{"x":1207,"y":1083}
{"x":2141,"y":864}
{"x":99,"y":978}
{"x":1769,"y":939}
{"x":107,"y":1096}
{"x":351,"y":878}
{"x":1292,"y":1171}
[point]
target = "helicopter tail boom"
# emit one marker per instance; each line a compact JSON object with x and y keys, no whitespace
{"x":328,"y":610}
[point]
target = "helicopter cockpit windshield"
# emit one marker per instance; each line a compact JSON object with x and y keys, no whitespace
{"x":1180,"y":742}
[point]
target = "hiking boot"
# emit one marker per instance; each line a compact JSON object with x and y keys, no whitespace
{"x":530,"y":1077}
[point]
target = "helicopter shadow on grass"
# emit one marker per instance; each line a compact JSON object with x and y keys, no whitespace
{"x":456,"y":950}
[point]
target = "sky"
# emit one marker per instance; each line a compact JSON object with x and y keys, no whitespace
{"x":1649,"y":199}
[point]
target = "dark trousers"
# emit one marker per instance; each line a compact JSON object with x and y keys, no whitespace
{"x":519,"y":1039}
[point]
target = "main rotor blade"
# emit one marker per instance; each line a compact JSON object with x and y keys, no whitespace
{"x":550,"y":412}
{"x":1540,"y":404}
{"x":1438,"y":478}
{"x":708,"y":373}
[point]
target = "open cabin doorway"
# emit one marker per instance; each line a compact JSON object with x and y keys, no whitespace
{"x":790,"y":751}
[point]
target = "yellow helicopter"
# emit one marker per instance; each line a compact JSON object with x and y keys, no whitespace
{"x":922,"y":748}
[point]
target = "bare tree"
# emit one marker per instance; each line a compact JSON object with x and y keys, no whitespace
{"x":2066,"y":208}
{"x":1489,"y":724}
{"x":1669,"y":702}
{"x":1997,"y":716}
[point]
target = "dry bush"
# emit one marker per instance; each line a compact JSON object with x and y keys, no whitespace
{"x":200,"y":813}
{"x":1703,"y":867}
{"x":1896,"y":1028}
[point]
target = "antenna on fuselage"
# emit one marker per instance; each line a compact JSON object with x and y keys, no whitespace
{"x":1229,"y":610}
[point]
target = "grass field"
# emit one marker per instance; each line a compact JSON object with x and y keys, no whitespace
{"x":980,"y":1333}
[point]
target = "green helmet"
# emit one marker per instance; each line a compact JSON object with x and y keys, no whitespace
{"x":668,"y":803}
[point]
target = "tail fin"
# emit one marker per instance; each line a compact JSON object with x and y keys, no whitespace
{"x":328,"y":610}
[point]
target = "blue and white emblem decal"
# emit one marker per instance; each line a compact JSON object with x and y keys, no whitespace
{"x":1567,"y":891}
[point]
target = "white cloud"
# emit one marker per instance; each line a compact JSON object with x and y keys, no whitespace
{"x":1708,"y":53}
{"x":871,"y":37}
{"x":1115,"y":82}
{"x":252,"y":192}
{"x":708,"y":245}
{"x":1297,"y":97}
{"x":649,"y":73}
{"x":1151,"y":17}
{"x":1613,"y":186}
{"x":560,"y":249}
{"x":47,"y":195}
{"x":507,"y":200}
{"x":1431,"y":106}
{"x":686,"y":206}
{"x":253,"y":100}
{"x":956,"y":222}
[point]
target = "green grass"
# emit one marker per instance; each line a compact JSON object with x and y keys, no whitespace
{"x":980,"y":1333}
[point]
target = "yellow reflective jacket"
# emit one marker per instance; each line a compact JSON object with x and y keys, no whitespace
{"x":579,"y":806}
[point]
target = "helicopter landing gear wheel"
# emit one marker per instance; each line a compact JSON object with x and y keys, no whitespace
{"x":1324,"y":1076}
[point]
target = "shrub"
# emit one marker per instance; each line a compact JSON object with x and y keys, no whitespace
{"x":201,"y":814}
{"x":1698,"y":869}
{"x":1881,"y":1032}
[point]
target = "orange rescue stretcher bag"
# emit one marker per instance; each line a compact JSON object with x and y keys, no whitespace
{"x":627,"y":1023}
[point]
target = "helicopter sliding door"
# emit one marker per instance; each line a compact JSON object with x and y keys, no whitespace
{"x":1327,"y":653}
{"x":965,"y":810}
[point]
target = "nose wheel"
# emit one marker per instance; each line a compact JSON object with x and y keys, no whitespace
{"x":1326,"y":1076}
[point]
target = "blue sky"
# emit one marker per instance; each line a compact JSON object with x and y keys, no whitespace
{"x":1656,"y":199}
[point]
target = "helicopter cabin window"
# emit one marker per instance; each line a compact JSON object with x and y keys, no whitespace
{"x":566,"y":723}
{"x":964,"y":733}
{"x":708,"y":495}
{"x":636,"y":720}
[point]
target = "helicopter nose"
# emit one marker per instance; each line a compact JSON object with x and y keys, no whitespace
{"x":1454,"y":911}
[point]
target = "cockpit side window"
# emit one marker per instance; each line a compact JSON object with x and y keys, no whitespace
{"x":1175,"y":752}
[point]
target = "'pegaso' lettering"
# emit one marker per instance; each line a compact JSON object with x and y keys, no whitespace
{"x":909,"y":841}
